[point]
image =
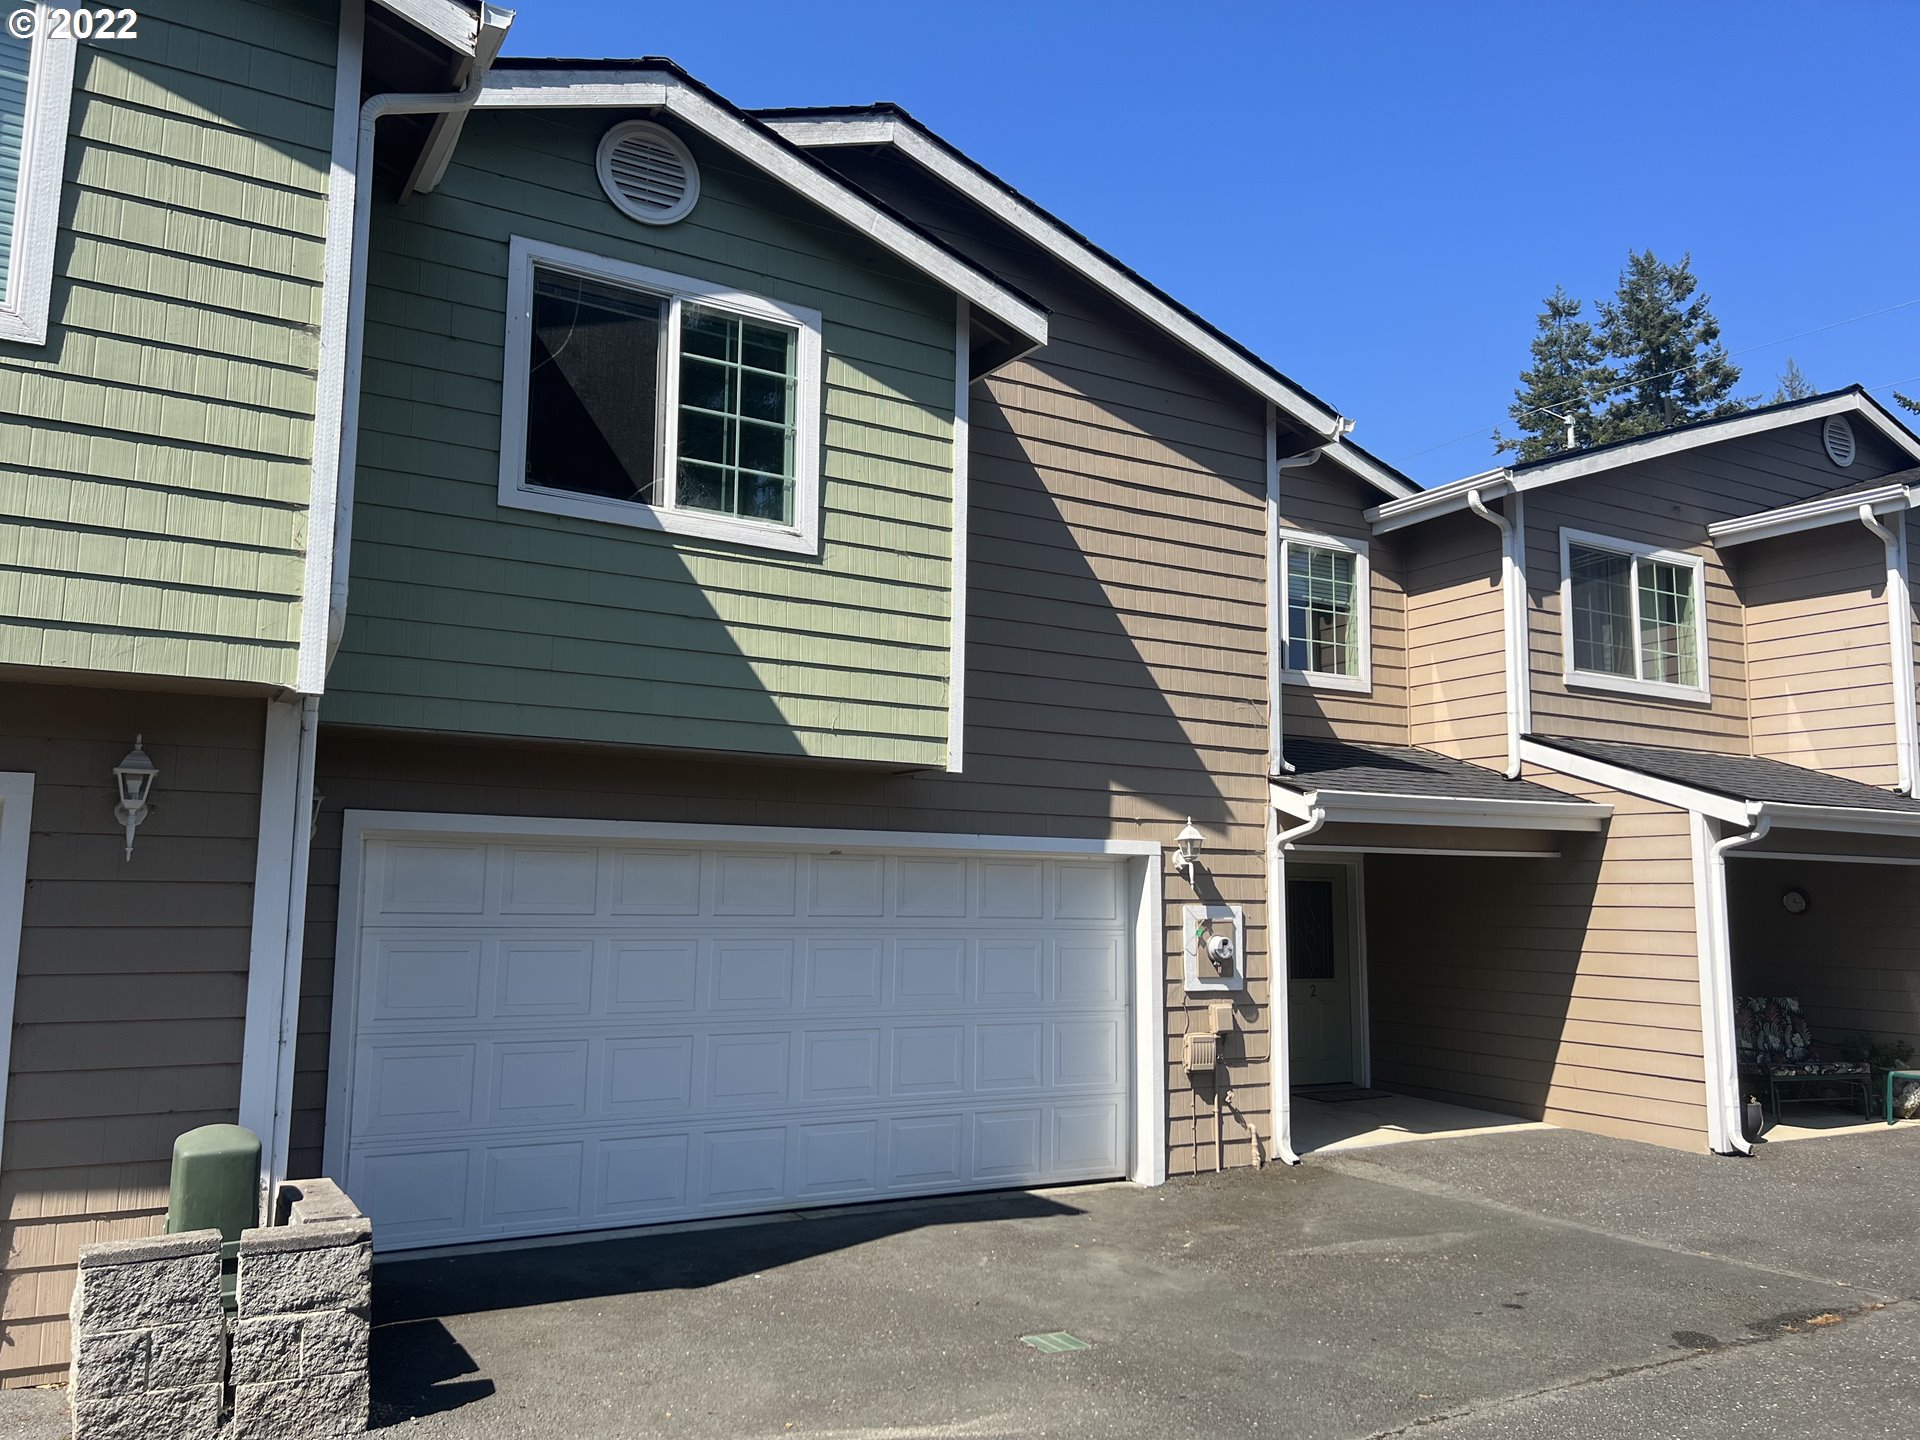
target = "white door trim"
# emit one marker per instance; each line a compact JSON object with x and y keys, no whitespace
{"x":1147,"y":1164}
{"x":16,"y":826}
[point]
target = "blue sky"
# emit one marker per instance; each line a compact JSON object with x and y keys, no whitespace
{"x":1375,"y":194}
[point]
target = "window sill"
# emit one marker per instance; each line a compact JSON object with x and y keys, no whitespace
{"x":1640,"y":689}
{"x":1315,"y":680}
{"x":789,"y":539}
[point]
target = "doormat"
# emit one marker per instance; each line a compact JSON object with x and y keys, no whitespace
{"x":1338,"y":1094}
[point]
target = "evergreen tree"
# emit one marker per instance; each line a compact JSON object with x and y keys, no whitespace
{"x":1664,"y":345}
{"x":1794,"y":384}
{"x":1564,"y":380}
{"x":1906,"y":402}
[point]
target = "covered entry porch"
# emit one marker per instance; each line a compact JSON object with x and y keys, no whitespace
{"x":1380,"y":853}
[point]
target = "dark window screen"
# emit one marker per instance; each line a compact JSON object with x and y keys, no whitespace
{"x":592,"y":385}
{"x":1310,"y":929}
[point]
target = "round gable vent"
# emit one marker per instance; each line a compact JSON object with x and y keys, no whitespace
{"x":1837,"y":435}
{"x":648,"y":172}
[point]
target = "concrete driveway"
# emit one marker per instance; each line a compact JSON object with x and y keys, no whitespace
{"x":1507,"y":1285}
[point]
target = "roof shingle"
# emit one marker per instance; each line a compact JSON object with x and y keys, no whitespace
{"x":1738,"y":777}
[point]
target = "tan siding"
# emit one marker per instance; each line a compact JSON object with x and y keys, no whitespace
{"x":1116,"y":673}
{"x":1850,"y":958}
{"x":132,"y":992}
{"x":1456,"y":636}
{"x":1670,"y":502}
{"x":1819,"y":661}
{"x":1565,"y":991}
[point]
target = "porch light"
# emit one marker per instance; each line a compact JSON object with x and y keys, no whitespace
{"x":1190,"y":840}
{"x":133,"y":781}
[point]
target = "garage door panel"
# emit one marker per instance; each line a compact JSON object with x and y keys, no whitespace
{"x":725,"y":1032}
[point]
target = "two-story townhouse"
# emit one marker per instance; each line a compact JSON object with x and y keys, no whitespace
{"x":1700,"y":643}
{"x":168,"y":266}
{"x":794,"y":611}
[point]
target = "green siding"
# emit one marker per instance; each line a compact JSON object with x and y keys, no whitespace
{"x":154,"y":453}
{"x":467,"y":617}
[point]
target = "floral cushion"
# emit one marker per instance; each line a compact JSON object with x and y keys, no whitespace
{"x":1785,"y":1068}
{"x":1770,"y":1030}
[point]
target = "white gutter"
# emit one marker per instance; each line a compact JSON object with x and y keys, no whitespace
{"x":1715,"y":948}
{"x":1512,"y":620}
{"x":1906,"y":724}
{"x":360,"y":198}
{"x":1276,"y":611}
{"x":1279,"y":1042}
{"x":1807,"y":515}
{"x":1366,"y":807}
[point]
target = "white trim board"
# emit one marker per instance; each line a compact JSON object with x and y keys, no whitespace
{"x":16,"y":830}
{"x":1143,"y":880}
{"x":447,"y":21}
{"x":28,"y":300}
{"x":957,"y":580}
{"x":1448,"y":498}
{"x":1362,"y":807}
{"x":801,"y":536}
{"x":1035,"y":225}
{"x":647,"y":88}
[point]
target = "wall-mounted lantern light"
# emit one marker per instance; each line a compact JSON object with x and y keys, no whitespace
{"x":133,"y":781}
{"x":1190,"y":840}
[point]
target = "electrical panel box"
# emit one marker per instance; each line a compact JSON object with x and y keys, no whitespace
{"x":1216,"y":950}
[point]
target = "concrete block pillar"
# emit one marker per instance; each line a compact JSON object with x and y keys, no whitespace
{"x":149,"y":1339}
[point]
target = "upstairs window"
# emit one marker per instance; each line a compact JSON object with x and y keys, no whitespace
{"x":642,"y":398}
{"x":36,"y":85}
{"x":1325,"y":584}
{"x":1632,"y":617}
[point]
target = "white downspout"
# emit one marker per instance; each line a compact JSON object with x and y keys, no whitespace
{"x":359,"y":182}
{"x":1279,"y":1042}
{"x":1906,"y":723}
{"x":1509,"y":626}
{"x":1716,"y":995}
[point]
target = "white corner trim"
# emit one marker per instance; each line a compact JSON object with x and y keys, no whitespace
{"x":1276,"y":616}
{"x":1523,"y":619}
{"x":801,"y":537}
{"x":330,"y":379}
{"x":960,"y":174}
{"x":1900,"y":618}
{"x":267,"y":975}
{"x":1143,"y":879}
{"x":1633,"y":782}
{"x":643,"y":88}
{"x":43,"y":161}
{"x":957,"y":581}
{"x":1362,"y":683}
{"x":447,"y":21}
{"x":1575,"y":678}
{"x":16,"y":830}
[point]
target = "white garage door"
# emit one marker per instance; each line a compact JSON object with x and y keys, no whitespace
{"x":559,"y":1036}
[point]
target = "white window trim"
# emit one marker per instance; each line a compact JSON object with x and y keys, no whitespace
{"x":802,"y":537}
{"x":1576,"y":679}
{"x":1363,"y":611}
{"x":36,"y":208}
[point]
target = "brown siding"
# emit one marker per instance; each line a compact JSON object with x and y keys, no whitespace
{"x":1850,"y":958}
{"x":132,"y":995}
{"x":1670,"y":502}
{"x":1325,"y":501}
{"x":1573,"y":999}
{"x":1115,"y":665}
{"x":1819,"y":664}
{"x":1456,"y":636}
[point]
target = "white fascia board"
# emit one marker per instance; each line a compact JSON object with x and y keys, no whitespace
{"x":1441,"y":500}
{"x":447,"y":21}
{"x":655,"y":89}
{"x":1078,"y":256}
{"x":444,"y":136}
{"x":1848,"y":819}
{"x":1361,"y":807}
{"x":1633,"y":782}
{"x":1841,"y":509}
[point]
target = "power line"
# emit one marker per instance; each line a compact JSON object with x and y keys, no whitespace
{"x":1668,"y":375}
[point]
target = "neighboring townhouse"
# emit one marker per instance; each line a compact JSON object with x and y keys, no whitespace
{"x":1694,"y":652}
{"x":163,"y":257}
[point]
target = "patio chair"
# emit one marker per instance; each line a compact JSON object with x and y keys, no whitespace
{"x":1776,"y":1047}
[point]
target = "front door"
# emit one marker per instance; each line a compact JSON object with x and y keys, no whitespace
{"x":1320,"y":974}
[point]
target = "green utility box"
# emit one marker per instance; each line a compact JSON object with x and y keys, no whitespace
{"x":216,"y":1186}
